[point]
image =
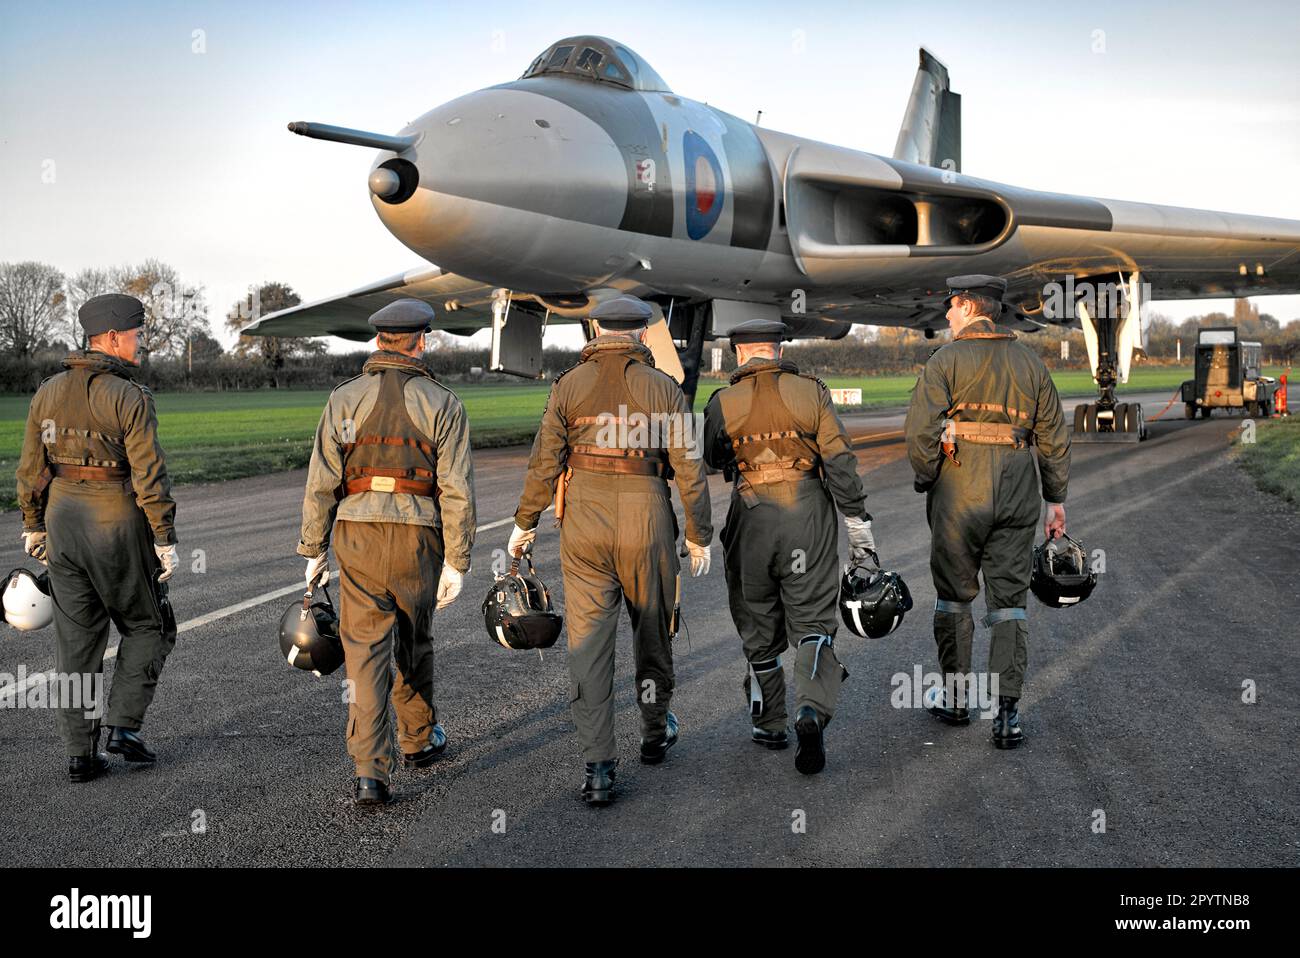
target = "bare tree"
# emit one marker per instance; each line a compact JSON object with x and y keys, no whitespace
{"x":173,"y":311}
{"x":32,"y":306}
{"x":81,"y":288}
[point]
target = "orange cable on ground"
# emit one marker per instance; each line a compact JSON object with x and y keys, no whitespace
{"x":1176,"y":395}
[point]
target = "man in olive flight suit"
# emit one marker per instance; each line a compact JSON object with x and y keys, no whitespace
{"x":392,"y":464}
{"x":98,"y":510}
{"x":979,"y":405}
{"x":618,"y":428}
{"x":775,"y":434}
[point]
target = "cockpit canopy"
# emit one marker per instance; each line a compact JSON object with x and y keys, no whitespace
{"x":597,"y":58}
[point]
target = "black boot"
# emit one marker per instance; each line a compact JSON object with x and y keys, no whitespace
{"x":774,"y":740}
{"x":85,"y":768}
{"x":599,"y":787}
{"x":371,"y":791}
{"x":429,"y":754}
{"x":1006,"y":724}
{"x":652,"y":753}
{"x":129,"y":744}
{"x":810,"y":756}
{"x":941,"y":709}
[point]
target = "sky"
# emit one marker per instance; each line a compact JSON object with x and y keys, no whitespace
{"x":131,"y":130}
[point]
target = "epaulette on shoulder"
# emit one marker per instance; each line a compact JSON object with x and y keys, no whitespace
{"x":350,"y":379}
{"x":814,"y":379}
{"x":564,"y":372}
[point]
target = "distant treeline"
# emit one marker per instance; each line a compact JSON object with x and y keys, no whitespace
{"x":886,"y":352}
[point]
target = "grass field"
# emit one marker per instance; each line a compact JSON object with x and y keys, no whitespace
{"x":211,"y":436}
{"x":1273,"y":459}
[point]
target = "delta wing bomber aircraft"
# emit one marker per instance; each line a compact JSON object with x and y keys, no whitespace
{"x":588,"y":177}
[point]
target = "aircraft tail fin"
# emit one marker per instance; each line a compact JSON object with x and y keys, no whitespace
{"x":931,"y":131}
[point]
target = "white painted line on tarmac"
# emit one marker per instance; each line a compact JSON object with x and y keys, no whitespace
{"x":10,"y":691}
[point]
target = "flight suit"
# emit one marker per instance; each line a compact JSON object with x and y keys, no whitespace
{"x":391,"y":464}
{"x":985,"y":399}
{"x":93,"y":477}
{"x":775,"y":433}
{"x":618,"y":537}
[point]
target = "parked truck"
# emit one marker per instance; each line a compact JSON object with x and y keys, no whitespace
{"x":1228,"y":376}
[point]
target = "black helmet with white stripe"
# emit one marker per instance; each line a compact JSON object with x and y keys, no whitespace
{"x":309,"y":634}
{"x":518,"y":612}
{"x":873,"y":601}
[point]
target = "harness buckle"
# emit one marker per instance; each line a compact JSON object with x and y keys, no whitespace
{"x":382,"y":483}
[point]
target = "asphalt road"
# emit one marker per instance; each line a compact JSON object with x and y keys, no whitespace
{"x":1133,"y":708}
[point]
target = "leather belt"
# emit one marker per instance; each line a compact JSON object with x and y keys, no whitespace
{"x":618,"y":465}
{"x":414,"y":487}
{"x":63,"y":470}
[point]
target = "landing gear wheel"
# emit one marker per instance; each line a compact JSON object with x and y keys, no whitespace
{"x":1090,"y":419}
{"x":1120,"y":420}
{"x":1139,"y":421}
{"x":1080,"y":417}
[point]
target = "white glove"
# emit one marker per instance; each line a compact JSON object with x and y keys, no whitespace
{"x":701,"y":558}
{"x":34,"y":546}
{"x":449,"y":585}
{"x":521,"y":541}
{"x":861,"y":541}
{"x":318,"y":570}
{"x":169,"y":559}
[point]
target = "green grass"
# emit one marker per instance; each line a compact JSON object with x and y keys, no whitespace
{"x":1273,"y":459}
{"x":227,"y":435}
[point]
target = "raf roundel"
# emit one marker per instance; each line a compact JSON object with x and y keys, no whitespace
{"x":705,"y":191}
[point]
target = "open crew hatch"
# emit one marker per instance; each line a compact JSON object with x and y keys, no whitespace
{"x":597,"y":58}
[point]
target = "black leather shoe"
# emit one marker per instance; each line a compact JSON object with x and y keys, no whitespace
{"x":810,"y":756}
{"x":599,"y":787}
{"x":1006,"y":724}
{"x":941,"y":710}
{"x":429,"y":754}
{"x":652,"y":753}
{"x":85,"y":768}
{"x":129,"y":744}
{"x":774,"y":740}
{"x":371,"y":791}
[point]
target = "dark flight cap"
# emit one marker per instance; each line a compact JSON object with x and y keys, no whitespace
{"x":994,"y":287}
{"x":112,"y":311}
{"x":759,"y":331}
{"x":623,"y":313}
{"x":404,"y":316}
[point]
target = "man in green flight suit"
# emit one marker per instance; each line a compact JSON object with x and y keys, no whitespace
{"x":982,"y":401}
{"x":775,"y":434}
{"x":98,"y":510}
{"x":618,"y":537}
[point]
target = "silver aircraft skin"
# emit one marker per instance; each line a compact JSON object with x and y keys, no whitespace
{"x":588,"y":176}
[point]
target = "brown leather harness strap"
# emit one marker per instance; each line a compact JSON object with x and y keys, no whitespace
{"x":634,"y":463}
{"x":414,"y":487}
{"x":998,"y":407}
{"x":424,"y":447}
{"x":768,"y":436}
{"x":64,"y":470}
{"x":992,"y":433}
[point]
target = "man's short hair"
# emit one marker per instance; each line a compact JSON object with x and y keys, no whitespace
{"x":99,"y":339}
{"x":399,"y":342}
{"x":984,"y":306}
